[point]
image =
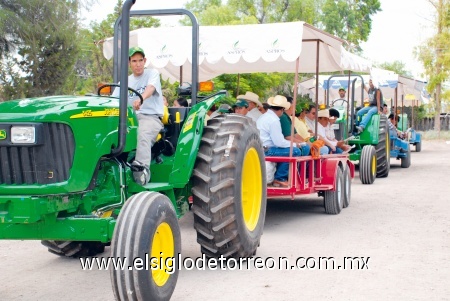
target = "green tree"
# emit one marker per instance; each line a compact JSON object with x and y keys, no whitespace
{"x":46,"y":47}
{"x":91,"y":67}
{"x":396,"y":66}
{"x":434,"y":55}
{"x":350,"y":20}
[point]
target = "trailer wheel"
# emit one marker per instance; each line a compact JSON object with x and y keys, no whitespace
{"x":406,"y":161}
{"x":383,"y":149}
{"x":229,"y":188}
{"x":347,"y":186}
{"x":147,"y":229}
{"x":334,"y":200}
{"x":74,"y":248}
{"x":418,"y":146}
{"x":368,"y":165}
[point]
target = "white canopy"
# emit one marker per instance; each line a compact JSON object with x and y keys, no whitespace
{"x":410,"y":89}
{"x":235,"y":49}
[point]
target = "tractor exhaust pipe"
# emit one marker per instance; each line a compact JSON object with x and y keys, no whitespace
{"x":123,"y":102}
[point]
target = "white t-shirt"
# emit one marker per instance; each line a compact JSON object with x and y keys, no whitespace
{"x":154,"y":104}
{"x":322,"y":131}
{"x":254,"y":114}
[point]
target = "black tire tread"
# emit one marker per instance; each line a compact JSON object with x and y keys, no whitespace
{"x":331,"y":197}
{"x":216,"y":217}
{"x":347,"y":188}
{"x":365,"y":164}
{"x":130,"y":229}
{"x":383,"y":154}
{"x":74,"y":249}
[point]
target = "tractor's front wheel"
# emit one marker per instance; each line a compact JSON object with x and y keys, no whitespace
{"x":406,"y":161}
{"x":229,"y":188}
{"x":146,"y":230}
{"x":368,"y":164}
{"x":418,"y":146}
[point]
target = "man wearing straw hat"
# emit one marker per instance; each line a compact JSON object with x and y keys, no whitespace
{"x":253,"y":105}
{"x":274,"y":143}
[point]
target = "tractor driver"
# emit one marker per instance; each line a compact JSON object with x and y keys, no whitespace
{"x":342,"y":100}
{"x":149,"y":113}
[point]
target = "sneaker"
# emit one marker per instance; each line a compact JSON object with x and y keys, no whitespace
{"x":141,"y":173}
{"x":359,"y":129}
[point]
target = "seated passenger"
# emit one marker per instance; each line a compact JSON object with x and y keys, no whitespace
{"x":322,"y":125}
{"x":253,"y":104}
{"x":263,"y":109}
{"x":302,"y":133}
{"x":393,"y":131}
{"x":274,"y":143}
{"x":241,"y":107}
{"x":180,"y":102}
{"x":340,"y":144}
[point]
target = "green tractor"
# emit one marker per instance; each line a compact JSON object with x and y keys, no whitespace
{"x":66,"y":179}
{"x":372,"y":147}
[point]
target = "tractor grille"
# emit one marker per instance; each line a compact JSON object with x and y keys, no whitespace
{"x":47,"y":163}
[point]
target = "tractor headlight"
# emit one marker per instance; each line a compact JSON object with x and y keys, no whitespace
{"x":23,"y":134}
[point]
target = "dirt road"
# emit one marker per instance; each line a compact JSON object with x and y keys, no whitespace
{"x":399,"y":225}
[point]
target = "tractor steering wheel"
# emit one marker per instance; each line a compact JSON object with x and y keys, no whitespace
{"x":340,"y":99}
{"x":117,"y":85}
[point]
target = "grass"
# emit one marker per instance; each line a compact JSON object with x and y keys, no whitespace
{"x":435,"y":135}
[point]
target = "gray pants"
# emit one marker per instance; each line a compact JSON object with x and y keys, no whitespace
{"x":148,"y":130}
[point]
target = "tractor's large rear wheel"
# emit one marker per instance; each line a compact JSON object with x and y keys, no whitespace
{"x":406,"y":161}
{"x":383,"y":149}
{"x":229,"y":188}
{"x":334,"y":199}
{"x":368,"y":164}
{"x":147,"y":227}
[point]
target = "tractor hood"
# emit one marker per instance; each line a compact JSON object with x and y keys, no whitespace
{"x":57,"y":107}
{"x":70,"y":136}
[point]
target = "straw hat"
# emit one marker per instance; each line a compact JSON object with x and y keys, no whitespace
{"x":324,"y":113}
{"x":279,"y":101}
{"x":250,"y":96}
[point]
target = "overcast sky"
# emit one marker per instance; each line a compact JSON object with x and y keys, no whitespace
{"x":396,"y":30}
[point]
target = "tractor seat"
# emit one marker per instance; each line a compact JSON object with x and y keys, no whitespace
{"x":167,"y":117}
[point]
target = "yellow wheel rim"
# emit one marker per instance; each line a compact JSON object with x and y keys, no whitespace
{"x":374,"y":165}
{"x":251,"y":189}
{"x":387,"y":147}
{"x":163,"y":247}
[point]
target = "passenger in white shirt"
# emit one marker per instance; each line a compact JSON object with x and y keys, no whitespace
{"x":274,"y":143}
{"x":253,"y":105}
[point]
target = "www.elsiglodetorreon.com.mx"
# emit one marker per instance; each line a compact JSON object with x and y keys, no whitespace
{"x":170,"y":264}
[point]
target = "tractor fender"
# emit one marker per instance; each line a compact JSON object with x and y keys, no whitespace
{"x":189,"y":142}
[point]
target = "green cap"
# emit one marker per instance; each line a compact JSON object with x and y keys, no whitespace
{"x":241,"y":103}
{"x":342,"y":88}
{"x":134,"y":50}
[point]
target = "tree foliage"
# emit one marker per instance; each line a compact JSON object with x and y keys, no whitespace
{"x":46,"y":48}
{"x":350,"y":20}
{"x":434,"y":55}
{"x":397,"y":66}
{"x":92,"y":68}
